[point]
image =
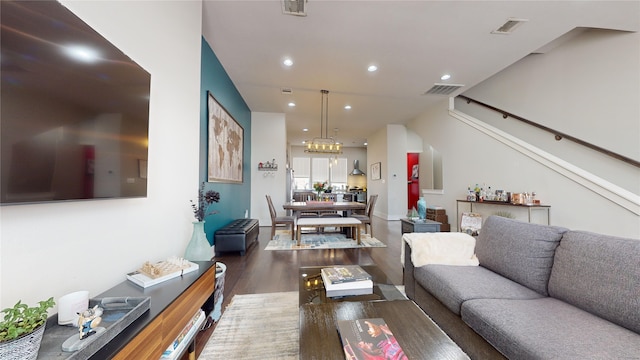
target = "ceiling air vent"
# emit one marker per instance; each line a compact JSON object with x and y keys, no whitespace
{"x":443,"y":89}
{"x":286,"y":91}
{"x":294,"y":7}
{"x":508,"y":27}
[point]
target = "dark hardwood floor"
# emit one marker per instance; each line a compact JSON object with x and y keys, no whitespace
{"x":261,"y":271}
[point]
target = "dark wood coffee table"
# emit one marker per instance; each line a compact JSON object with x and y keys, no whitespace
{"x":311,"y":288}
{"x":419,"y":337}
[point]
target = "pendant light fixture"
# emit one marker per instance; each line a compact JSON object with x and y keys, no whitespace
{"x":324,"y":144}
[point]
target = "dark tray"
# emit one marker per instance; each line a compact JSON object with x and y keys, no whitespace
{"x":118,"y":314}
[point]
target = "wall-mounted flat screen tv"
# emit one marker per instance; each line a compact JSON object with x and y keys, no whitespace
{"x":74,"y":112}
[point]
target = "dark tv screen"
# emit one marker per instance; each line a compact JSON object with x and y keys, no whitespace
{"x":74,"y":111}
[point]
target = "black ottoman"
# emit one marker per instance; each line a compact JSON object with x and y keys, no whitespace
{"x":236,"y":236}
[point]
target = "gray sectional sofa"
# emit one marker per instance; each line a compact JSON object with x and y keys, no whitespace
{"x":540,"y":292}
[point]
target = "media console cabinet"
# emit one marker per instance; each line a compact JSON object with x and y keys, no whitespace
{"x":173,"y":304}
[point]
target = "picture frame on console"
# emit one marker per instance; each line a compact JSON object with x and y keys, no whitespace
{"x":375,"y":171}
{"x":226,"y":144}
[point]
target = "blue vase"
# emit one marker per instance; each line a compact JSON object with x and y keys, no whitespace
{"x":422,"y":208}
{"x":199,"y":248}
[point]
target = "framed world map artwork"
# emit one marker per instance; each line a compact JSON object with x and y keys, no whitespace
{"x":226,"y":142}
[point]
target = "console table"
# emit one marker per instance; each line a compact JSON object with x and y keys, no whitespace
{"x":545,"y":219}
{"x":173,"y":304}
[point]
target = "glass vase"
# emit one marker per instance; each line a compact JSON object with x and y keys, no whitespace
{"x":422,"y":208}
{"x":198,"y":248}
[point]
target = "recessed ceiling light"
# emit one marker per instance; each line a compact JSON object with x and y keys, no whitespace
{"x":291,"y":104}
{"x":305,"y":129}
{"x":365,"y":144}
{"x":287,"y":62}
{"x":445,"y":77}
{"x":347,"y":107}
{"x":372,"y":68}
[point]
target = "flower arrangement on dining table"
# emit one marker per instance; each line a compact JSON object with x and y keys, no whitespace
{"x":205,"y":199}
{"x":319,"y":187}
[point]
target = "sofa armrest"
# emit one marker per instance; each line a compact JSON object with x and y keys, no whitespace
{"x":407,"y":277}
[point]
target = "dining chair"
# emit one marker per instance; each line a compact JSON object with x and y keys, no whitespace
{"x":368,"y":214}
{"x":280,"y":220}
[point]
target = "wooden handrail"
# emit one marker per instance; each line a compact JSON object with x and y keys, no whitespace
{"x":558,"y":135}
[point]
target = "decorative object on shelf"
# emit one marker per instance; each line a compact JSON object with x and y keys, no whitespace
{"x":71,"y":305}
{"x":226,"y":142}
{"x":21,"y":330}
{"x":412,"y":214}
{"x":89,"y":320}
{"x":376,"y":173}
{"x":151,"y":274}
{"x":319,"y":188}
{"x":422,"y":208}
{"x":324,"y":144}
{"x":199,"y":248}
{"x":268,"y":166}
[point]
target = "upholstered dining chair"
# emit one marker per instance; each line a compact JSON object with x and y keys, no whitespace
{"x":280,"y":220}
{"x":368,"y":214}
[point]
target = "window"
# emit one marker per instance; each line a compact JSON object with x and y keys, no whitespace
{"x":301,"y":173}
{"x":307,"y":171}
{"x":319,"y":170}
{"x":339,"y":173}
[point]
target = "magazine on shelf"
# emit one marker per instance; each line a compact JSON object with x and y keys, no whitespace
{"x":369,"y":339}
{"x":362,"y":287}
{"x":185,"y":336}
{"x":169,"y":269}
{"x":346,"y":273}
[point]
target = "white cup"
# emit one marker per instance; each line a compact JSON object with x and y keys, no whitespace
{"x":70,"y":305}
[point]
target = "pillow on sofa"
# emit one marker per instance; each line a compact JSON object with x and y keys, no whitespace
{"x":523,"y":252}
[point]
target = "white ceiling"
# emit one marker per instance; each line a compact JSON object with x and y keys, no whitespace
{"x":412,"y":42}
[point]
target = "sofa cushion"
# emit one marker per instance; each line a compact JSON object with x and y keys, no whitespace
{"x":548,"y":328}
{"x":453,"y":285}
{"x":600,"y":274}
{"x":521,"y":251}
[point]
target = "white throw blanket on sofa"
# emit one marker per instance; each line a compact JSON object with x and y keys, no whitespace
{"x":444,"y":248}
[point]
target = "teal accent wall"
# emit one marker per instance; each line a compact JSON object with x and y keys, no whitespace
{"x":234,"y":198}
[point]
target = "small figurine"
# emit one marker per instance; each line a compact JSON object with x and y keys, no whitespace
{"x":88,"y":321}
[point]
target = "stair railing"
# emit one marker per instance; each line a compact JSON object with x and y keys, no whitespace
{"x":558,"y":135}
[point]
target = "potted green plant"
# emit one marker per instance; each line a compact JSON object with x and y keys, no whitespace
{"x":21,"y":329}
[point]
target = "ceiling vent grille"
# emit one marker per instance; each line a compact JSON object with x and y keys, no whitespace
{"x":508,"y":27}
{"x":294,"y":7}
{"x":286,"y":91}
{"x":443,"y":89}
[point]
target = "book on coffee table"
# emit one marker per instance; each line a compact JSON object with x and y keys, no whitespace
{"x":349,"y":288}
{"x":345,"y":273}
{"x":368,"y":339}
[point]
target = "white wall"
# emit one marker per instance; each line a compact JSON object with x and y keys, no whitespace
{"x":388,"y":146}
{"x":567,"y":90}
{"x":53,"y":249}
{"x":268,"y":142}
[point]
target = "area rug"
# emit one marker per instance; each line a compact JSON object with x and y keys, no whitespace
{"x":282,"y":241}
{"x":256,"y":326}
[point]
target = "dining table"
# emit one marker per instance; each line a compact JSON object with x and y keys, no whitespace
{"x":343,"y":207}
